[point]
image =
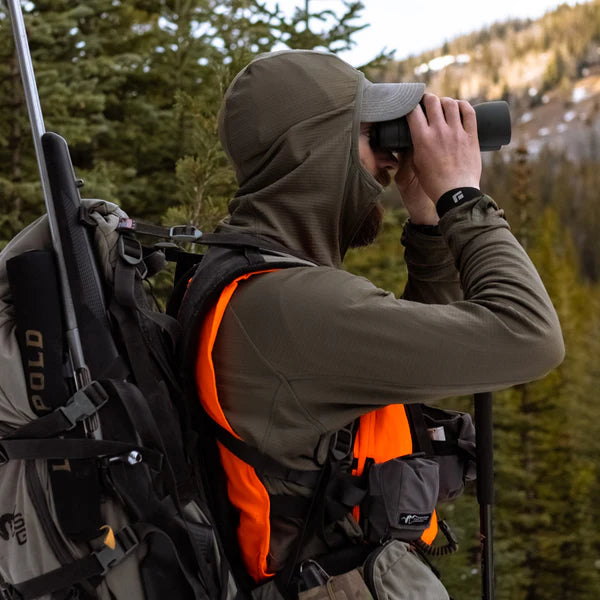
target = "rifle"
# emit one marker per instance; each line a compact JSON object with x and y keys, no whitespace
{"x":82,"y":298}
{"x":71,"y":277}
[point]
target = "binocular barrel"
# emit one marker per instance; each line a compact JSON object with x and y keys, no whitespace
{"x":493,"y":129}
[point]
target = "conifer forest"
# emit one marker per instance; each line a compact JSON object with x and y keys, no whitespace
{"x":134,"y":86}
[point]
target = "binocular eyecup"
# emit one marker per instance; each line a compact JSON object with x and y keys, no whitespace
{"x":493,"y":129}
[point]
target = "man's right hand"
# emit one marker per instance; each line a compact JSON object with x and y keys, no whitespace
{"x":446,"y":151}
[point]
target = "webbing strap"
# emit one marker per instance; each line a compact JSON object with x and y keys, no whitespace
{"x":264,"y":465}
{"x":95,"y":564}
{"x":156,"y":402}
{"x":419,"y":428}
{"x":83,"y":404}
{"x":126,"y":272}
{"x":340,"y":496}
{"x":77,"y":448}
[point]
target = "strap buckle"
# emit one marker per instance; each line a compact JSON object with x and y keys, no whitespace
{"x":84,"y":403}
{"x":130,"y":250}
{"x":341,"y":443}
{"x":125,"y":542}
{"x":185,"y":233}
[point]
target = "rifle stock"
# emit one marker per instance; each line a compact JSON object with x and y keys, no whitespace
{"x":82,"y":299}
{"x":82,"y":272}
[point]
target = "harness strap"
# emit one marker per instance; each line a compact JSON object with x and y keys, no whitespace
{"x":145,"y":349}
{"x":419,"y":428}
{"x":78,"y":448}
{"x":81,"y":405}
{"x":264,"y":465}
{"x":127,"y":270}
{"x":116,"y":548}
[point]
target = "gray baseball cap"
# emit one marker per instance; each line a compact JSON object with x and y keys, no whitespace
{"x":388,"y":101}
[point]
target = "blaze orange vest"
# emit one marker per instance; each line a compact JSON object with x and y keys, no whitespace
{"x":383,"y":434}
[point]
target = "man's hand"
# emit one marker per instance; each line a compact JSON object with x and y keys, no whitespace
{"x":419,"y":205}
{"x":446,"y":151}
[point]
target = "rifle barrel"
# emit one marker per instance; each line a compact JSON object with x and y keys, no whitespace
{"x":38,"y":129}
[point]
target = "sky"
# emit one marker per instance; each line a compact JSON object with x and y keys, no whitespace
{"x":412,"y":27}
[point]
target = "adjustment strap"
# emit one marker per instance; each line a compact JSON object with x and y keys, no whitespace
{"x":452,"y":447}
{"x":23,"y":449}
{"x":127,"y":270}
{"x":179,"y":233}
{"x":83,"y":404}
{"x":419,"y":428}
{"x":265,"y":465}
{"x":341,"y":495}
{"x":116,"y":548}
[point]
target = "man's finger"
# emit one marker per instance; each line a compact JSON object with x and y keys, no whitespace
{"x":451,"y":111}
{"x":417,"y":123}
{"x":469,"y":119}
{"x":433,"y":109}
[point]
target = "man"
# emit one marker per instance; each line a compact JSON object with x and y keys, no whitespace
{"x":300,"y":353}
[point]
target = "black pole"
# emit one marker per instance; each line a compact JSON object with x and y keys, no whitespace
{"x":485,"y":489}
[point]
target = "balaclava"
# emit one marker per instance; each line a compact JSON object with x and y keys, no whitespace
{"x":290,"y":124}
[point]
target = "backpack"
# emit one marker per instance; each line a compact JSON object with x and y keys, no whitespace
{"x":111,"y":516}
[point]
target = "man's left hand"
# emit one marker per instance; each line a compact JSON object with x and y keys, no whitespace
{"x":419,"y":205}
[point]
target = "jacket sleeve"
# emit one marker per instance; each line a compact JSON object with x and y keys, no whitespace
{"x":335,"y":346}
{"x":432,"y":275}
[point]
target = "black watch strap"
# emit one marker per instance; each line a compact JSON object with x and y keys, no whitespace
{"x":456,"y":197}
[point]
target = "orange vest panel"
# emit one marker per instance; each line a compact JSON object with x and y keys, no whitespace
{"x":246,"y":491}
{"x":383,"y":434}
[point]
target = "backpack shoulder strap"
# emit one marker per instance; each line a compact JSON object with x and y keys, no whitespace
{"x":229,"y":256}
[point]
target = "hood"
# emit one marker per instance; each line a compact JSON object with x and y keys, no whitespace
{"x":290,"y":124}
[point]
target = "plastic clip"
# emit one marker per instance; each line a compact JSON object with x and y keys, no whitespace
{"x":341,"y":444}
{"x":125,"y":542}
{"x":83,"y":404}
{"x":130,"y":250}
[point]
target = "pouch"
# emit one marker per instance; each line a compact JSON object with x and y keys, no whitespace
{"x":394,"y":572}
{"x":401,"y":498}
{"x":348,"y":586}
{"x":452,"y":437}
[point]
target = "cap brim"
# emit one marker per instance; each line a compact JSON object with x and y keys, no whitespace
{"x":388,"y":101}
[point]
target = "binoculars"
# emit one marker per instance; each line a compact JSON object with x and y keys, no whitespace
{"x":493,"y":129}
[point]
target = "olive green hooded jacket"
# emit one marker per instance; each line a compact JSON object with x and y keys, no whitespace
{"x":304,"y":351}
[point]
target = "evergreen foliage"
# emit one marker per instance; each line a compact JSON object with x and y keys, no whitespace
{"x":135,"y":88}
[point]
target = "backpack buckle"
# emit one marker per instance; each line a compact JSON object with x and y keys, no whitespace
{"x":185,"y":233}
{"x":123,"y":543}
{"x":130,"y":250}
{"x":83,"y":404}
{"x":341,"y":443}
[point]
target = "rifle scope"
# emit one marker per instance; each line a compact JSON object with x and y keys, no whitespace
{"x":493,"y":129}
